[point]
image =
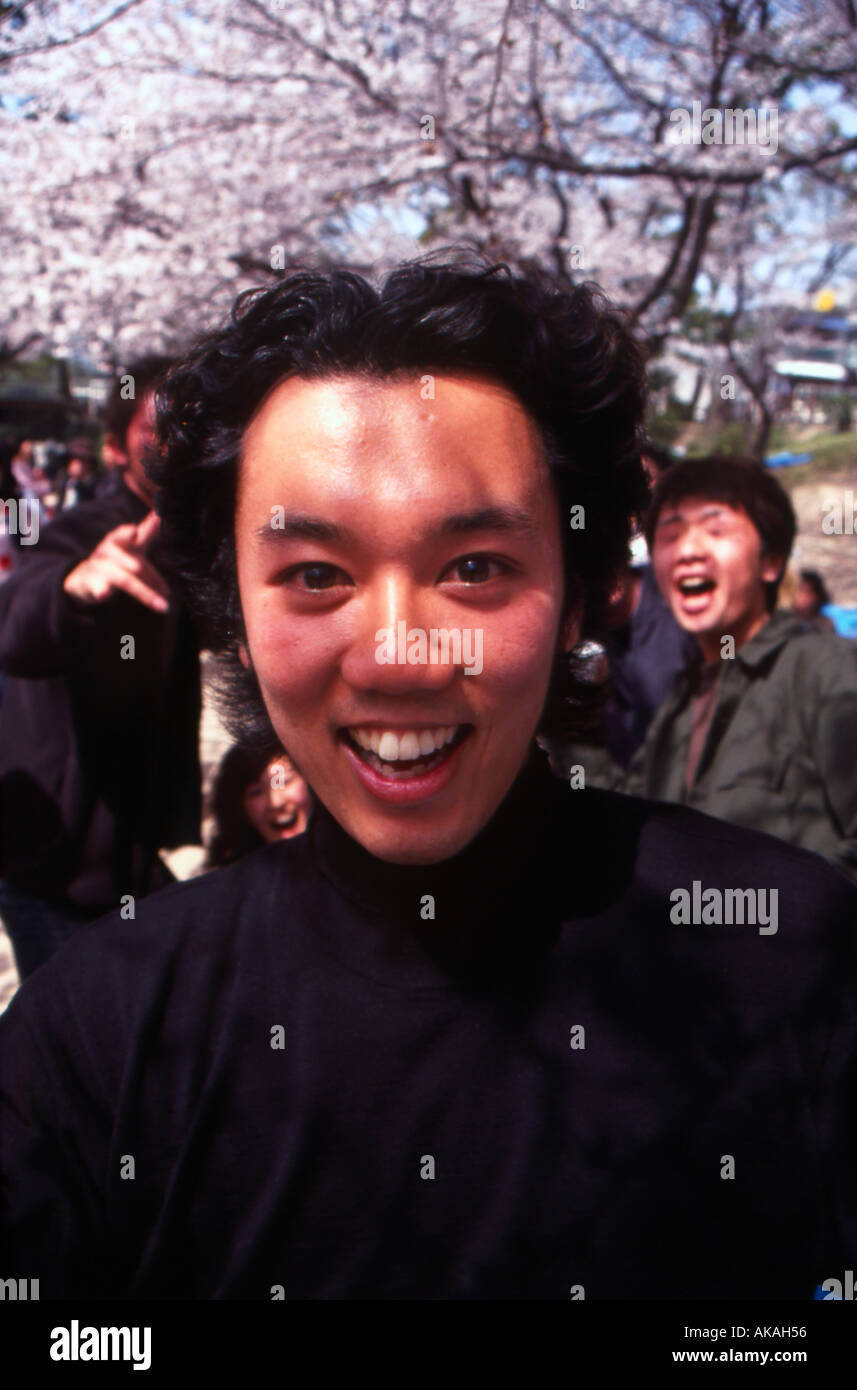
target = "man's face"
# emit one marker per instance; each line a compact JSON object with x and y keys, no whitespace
{"x":806,"y":600}
{"x":709,"y":566}
{"x":140,"y":445}
{"x":392,"y":510}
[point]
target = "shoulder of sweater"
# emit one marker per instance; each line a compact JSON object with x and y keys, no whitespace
{"x":690,"y":835}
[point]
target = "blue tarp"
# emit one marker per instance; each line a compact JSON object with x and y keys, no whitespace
{"x":786,"y":460}
{"x":844,"y":619}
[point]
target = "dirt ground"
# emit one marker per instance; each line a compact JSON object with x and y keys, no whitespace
{"x":835,"y":557}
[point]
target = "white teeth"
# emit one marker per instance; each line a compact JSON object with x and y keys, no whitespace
{"x":388,"y":748}
{"x":405,"y":747}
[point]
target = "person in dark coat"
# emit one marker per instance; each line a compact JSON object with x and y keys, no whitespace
{"x":99,"y":766}
{"x":647,"y":652}
{"x":79,"y":482}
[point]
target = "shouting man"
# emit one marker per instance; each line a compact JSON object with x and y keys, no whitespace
{"x":762,"y":729}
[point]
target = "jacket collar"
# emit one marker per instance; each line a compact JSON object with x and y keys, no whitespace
{"x":780,"y":628}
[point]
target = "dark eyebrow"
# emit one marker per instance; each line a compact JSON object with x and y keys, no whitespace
{"x":489,"y":519}
{"x":311,"y":528}
{"x":301,"y":528}
{"x":666,"y":517}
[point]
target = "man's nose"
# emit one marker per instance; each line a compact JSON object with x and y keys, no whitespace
{"x":384,"y":653}
{"x":691,"y":544}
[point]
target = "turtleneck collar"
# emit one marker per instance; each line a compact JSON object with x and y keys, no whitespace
{"x":496,"y":902}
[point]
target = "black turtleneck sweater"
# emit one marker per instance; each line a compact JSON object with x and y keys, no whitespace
{"x":287,"y":1080}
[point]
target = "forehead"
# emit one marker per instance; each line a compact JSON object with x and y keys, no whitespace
{"x":280,"y":766}
{"x":403,"y":437}
{"x":699,"y":508}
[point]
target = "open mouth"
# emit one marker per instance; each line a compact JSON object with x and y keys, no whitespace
{"x":693,"y":587}
{"x":284,"y":821}
{"x":404,"y":755}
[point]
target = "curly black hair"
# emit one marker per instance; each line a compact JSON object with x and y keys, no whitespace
{"x":566,"y":354}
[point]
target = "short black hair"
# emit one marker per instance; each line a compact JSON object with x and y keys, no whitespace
{"x":119,"y":409}
{"x":814,"y":581}
{"x":739,"y":482}
{"x":566,"y":354}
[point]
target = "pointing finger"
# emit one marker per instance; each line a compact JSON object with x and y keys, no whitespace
{"x":147,"y":530}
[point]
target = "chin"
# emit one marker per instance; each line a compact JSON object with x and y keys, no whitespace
{"x":411,"y":845}
{"x":702,"y":625}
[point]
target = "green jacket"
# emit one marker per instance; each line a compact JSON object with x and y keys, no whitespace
{"x":781,"y":750}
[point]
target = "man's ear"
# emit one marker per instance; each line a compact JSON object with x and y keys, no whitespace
{"x":115,"y":445}
{"x":244,"y":656}
{"x":773,"y":567}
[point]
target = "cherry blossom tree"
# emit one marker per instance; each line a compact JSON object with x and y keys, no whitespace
{"x":161,"y":155}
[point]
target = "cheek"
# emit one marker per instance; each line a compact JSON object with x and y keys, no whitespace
{"x":738,"y":567}
{"x":291,"y":656}
{"x":661,"y":564}
{"x":519,"y":649}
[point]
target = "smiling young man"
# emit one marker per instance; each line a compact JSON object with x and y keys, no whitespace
{"x":454,"y":1042}
{"x":763,"y":730}
{"x":374,"y":533}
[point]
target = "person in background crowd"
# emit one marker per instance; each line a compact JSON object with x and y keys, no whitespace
{"x":256,"y":800}
{"x":762,"y":731}
{"x":8,"y":485}
{"x":79,"y":483}
{"x":23,"y":463}
{"x":646,"y":649}
{"x":99,"y":764}
{"x":31,"y":480}
{"x":114,"y":459}
{"x":811,"y":595}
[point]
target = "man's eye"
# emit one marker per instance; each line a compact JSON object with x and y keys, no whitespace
{"x":316,"y":577}
{"x":476,"y":569}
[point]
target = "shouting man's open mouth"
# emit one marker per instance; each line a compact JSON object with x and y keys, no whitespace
{"x":694,"y":591}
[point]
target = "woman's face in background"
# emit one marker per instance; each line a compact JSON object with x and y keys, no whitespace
{"x":277,"y":803}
